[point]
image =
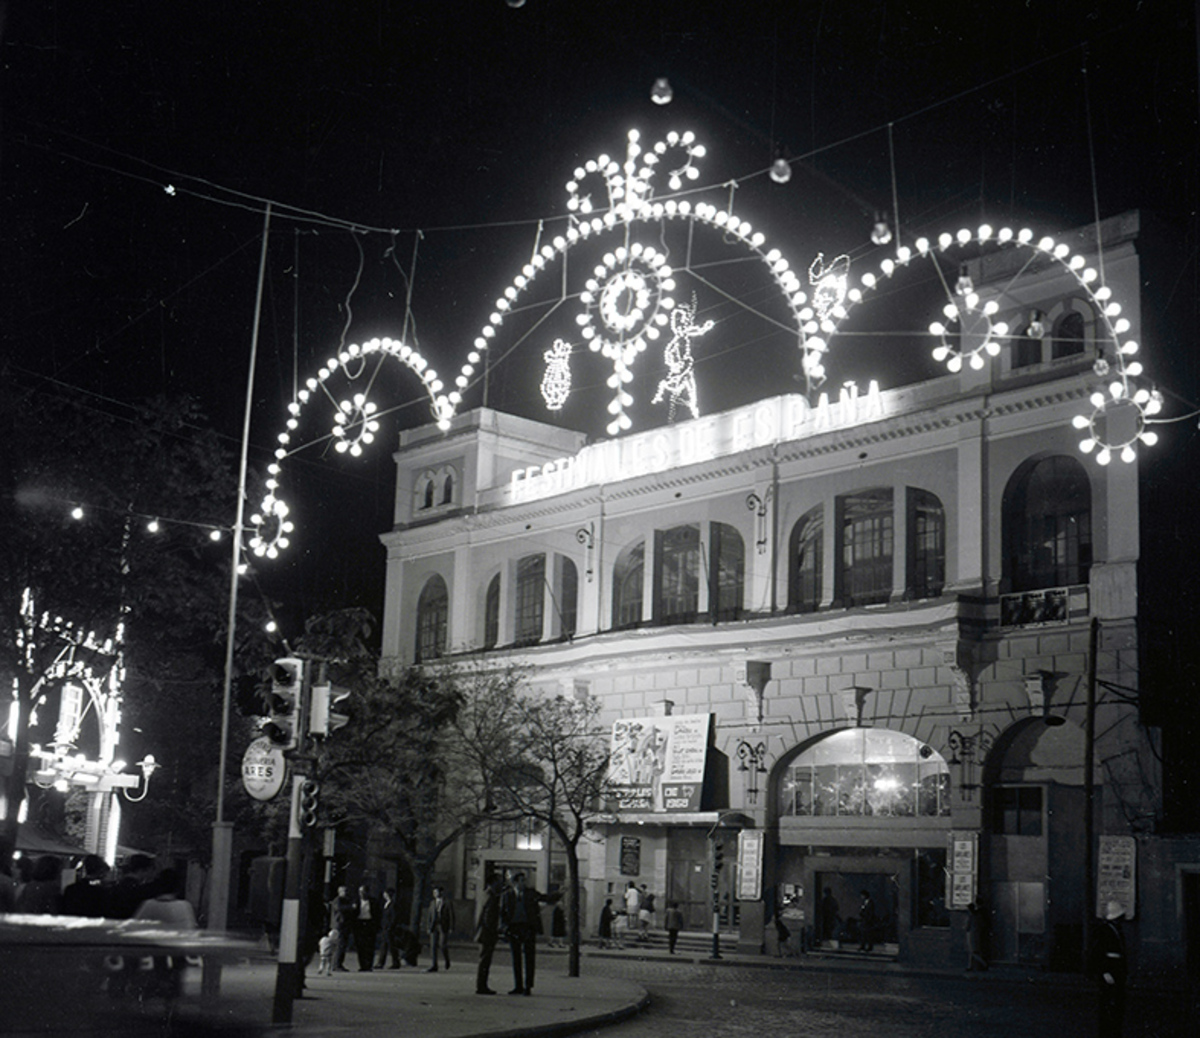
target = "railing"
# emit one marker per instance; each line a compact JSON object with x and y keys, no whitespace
{"x":1045,"y":607}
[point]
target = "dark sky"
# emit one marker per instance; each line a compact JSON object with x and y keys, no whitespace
{"x":386,"y":129}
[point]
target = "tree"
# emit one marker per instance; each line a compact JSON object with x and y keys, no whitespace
{"x":104,"y":592}
{"x":540,"y":758}
{"x":391,"y":767}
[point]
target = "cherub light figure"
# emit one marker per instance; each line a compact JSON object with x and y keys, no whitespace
{"x":829,"y":285}
{"x":556,"y":382}
{"x":680,"y":382}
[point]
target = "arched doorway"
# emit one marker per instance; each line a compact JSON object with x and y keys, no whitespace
{"x":1033,"y":837}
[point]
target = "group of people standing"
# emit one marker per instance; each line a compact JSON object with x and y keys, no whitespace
{"x":373,"y":926}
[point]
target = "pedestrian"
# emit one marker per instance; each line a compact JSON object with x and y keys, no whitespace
{"x":829,"y":916}
{"x":487,"y":933}
{"x":521,"y":919}
{"x":867,"y":921}
{"x":366,"y":927}
{"x":385,"y":942}
{"x":606,"y":924}
{"x":645,"y":913}
{"x":327,"y":946}
{"x":632,"y":897}
{"x":42,"y":895}
{"x":440,"y":920}
{"x":168,"y":908}
{"x":673,"y":921}
{"x":1109,"y":965}
{"x":974,"y":936}
{"x":89,"y":894}
{"x":343,"y":911}
{"x":134,"y":886}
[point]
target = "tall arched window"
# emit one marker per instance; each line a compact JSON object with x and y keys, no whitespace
{"x":866,"y":772}
{"x":807,"y":557}
{"x":677,"y":575}
{"x":867,"y":530}
{"x":1069,"y":336}
{"x":568,"y":598}
{"x":433,"y":611}
{"x":627,"y":586}
{"x":1047,"y":515}
{"x":491,"y":614}
{"x":727,"y":572}
{"x":531,"y":599}
{"x":448,"y":489}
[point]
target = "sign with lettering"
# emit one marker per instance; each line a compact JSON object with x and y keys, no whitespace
{"x":657,"y":763}
{"x":631,"y":856}
{"x":771,"y":421}
{"x":750,"y":864}
{"x":1116,"y":875}
{"x":962,"y":869}
{"x":263,"y":769}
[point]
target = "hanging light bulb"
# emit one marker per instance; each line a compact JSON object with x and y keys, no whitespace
{"x":515,"y":3}
{"x":661,"y":93}
{"x":1037,"y":329}
{"x":964,"y":286}
{"x":781,"y":170}
{"x":881,"y":233}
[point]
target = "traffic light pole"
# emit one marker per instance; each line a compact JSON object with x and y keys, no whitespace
{"x":715,"y":848}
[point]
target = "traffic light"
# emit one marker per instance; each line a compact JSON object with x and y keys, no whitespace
{"x":718,"y":856}
{"x":308,"y":802}
{"x":285,"y":703}
{"x":323,"y":717}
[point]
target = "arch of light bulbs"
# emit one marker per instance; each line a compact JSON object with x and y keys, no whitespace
{"x":1121,"y":369}
{"x":354,"y":428}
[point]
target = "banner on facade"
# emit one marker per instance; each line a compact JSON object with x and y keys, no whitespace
{"x":750,"y":864}
{"x":1116,"y":874}
{"x":962,"y":868}
{"x":658,"y":762}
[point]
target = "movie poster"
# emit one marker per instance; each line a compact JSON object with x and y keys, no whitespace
{"x":658,"y":762}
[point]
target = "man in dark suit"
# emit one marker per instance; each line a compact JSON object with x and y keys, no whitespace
{"x":385,"y":944}
{"x":487,"y":932}
{"x":521,"y":919}
{"x":441,"y":921}
{"x":343,"y":911}
{"x":366,"y":927}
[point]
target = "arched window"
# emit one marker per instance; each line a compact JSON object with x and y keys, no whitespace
{"x":727,"y":572}
{"x":807,"y":557}
{"x":491,"y":614}
{"x":677,"y":575}
{"x":1047,"y":516}
{"x":627,"y":586}
{"x":568,"y":598}
{"x":1069,"y":336}
{"x":927,"y":545}
{"x":427,"y":494}
{"x":862,"y":772}
{"x":531,"y":598}
{"x":448,"y":489}
{"x":433,"y":611}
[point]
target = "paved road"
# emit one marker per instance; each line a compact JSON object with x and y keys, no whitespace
{"x":693,"y":1000}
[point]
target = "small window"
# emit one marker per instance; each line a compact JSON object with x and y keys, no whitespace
{"x":1069,"y":338}
{"x":448,"y":490}
{"x":568,"y":598}
{"x":427,"y":496}
{"x":627,"y":586}
{"x":530,"y":606}
{"x":433,"y":611}
{"x":1017,"y":810}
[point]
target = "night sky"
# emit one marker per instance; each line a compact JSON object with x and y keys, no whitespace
{"x":410,"y":149}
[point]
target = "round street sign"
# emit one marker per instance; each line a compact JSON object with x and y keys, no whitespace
{"x":263,"y":769}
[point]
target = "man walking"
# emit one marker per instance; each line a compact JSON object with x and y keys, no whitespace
{"x":385,"y":944}
{"x":487,"y":932}
{"x":343,"y":912}
{"x":441,"y":922}
{"x":366,"y":926}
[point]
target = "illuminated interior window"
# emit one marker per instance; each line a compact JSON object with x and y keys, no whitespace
{"x":433,"y":610}
{"x":677,"y":575}
{"x":862,"y":772}
{"x":1047,"y":525}
{"x":867,"y":531}
{"x":808,"y":561}
{"x":627,"y":586}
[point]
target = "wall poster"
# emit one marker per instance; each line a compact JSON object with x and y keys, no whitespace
{"x":658,"y":762}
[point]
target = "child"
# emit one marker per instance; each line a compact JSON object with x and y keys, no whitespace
{"x":327,"y":946}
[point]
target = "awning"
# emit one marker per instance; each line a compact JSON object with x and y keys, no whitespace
{"x":32,"y":840}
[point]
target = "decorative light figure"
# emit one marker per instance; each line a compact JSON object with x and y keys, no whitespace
{"x":680,"y":381}
{"x":829,"y":282}
{"x":556,"y":382}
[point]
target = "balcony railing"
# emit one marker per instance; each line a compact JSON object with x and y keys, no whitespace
{"x":1044,"y":607}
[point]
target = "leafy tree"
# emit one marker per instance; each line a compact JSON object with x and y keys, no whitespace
{"x":91,"y":586}
{"x":391,"y":767}
{"x":536,"y":757}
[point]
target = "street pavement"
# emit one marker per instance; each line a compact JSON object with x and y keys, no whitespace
{"x":411,"y":1001}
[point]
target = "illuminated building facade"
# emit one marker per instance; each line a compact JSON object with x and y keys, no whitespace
{"x":904,"y":621}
